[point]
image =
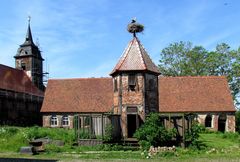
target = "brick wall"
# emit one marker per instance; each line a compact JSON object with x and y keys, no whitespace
{"x":144,"y":98}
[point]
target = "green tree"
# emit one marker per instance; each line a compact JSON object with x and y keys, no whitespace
{"x":182,"y":59}
{"x":153,"y":133}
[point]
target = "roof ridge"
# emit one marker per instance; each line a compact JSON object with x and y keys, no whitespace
{"x":205,"y":76}
{"x":80,"y":78}
{"x":141,"y":52}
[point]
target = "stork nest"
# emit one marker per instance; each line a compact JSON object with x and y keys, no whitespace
{"x":135,"y":28}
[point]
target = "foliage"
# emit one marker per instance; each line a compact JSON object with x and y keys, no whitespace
{"x":12,"y":138}
{"x":182,"y":59}
{"x":192,"y":135}
{"x":153,"y":133}
{"x":237,"y":115}
{"x":53,"y":133}
{"x":108,"y":133}
{"x":219,"y":147}
{"x":235,"y":137}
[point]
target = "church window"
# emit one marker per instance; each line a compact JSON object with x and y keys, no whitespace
{"x":208,"y":121}
{"x":115,"y":85}
{"x":65,"y":120}
{"x":54,"y":120}
{"x":132,"y":79}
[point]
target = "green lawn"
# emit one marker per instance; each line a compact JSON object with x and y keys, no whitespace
{"x":214,"y":147}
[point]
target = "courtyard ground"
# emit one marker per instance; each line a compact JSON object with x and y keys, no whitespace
{"x":221,"y":147}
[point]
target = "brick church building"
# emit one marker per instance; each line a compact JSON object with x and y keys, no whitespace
{"x":22,"y":88}
{"x":135,"y":89}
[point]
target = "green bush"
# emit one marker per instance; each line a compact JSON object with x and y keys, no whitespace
{"x":12,"y":138}
{"x":192,"y":135}
{"x":108,"y":133}
{"x":153,"y":133}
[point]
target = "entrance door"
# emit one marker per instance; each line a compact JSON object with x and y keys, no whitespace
{"x":131,"y":124}
{"x":222,"y":122}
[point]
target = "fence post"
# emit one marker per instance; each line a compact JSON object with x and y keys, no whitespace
{"x":78,"y":126}
{"x":102,"y":125}
{"x":183,"y":129}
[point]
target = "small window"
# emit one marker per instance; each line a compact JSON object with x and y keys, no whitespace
{"x":54,"y":120}
{"x":132,"y":79}
{"x":208,"y":121}
{"x":65,"y":120}
{"x":115,"y":85}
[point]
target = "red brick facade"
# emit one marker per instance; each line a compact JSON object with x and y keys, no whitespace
{"x":140,"y":101}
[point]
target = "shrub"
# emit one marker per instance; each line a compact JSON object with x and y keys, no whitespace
{"x":192,"y":135}
{"x":153,"y":133}
{"x":108,"y":133}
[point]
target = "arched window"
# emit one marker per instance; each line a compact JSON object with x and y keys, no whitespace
{"x":54,"y":120}
{"x":65,"y":120}
{"x":208,"y":121}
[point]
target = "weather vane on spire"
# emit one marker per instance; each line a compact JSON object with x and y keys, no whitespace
{"x":135,"y":27}
{"x":29,"y":19}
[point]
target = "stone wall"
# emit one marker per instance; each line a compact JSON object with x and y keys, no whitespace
{"x":230,"y":125}
{"x":230,"y":121}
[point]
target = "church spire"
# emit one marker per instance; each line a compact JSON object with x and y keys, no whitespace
{"x":29,"y":33}
{"x":29,"y":59}
{"x":29,"y":39}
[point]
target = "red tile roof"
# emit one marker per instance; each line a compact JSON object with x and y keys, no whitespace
{"x":79,"y":95}
{"x":176,"y":94}
{"x":195,"y":94}
{"x":136,"y":58}
{"x":17,"y":80}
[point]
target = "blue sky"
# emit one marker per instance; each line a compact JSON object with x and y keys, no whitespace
{"x":86,"y":38}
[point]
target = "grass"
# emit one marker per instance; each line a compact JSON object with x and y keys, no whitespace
{"x":214,"y":147}
{"x":12,"y":138}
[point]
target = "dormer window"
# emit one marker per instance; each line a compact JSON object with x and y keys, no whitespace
{"x":132,"y":80}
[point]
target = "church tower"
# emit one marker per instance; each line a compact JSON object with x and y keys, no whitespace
{"x":29,"y":59}
{"x":135,"y":80}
